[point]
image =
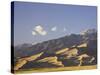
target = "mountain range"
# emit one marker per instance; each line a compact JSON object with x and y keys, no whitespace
{"x":70,"y":50}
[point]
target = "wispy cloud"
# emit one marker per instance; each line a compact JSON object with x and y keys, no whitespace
{"x":34,"y":33}
{"x":54,"y":28}
{"x":64,"y":29}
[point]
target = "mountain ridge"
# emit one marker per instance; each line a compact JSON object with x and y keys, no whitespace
{"x":72,"y":50}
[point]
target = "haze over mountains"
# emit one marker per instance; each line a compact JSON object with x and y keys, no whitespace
{"x":70,"y":50}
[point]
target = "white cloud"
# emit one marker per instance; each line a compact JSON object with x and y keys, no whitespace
{"x":43,"y":33}
{"x":33,"y":33}
{"x":54,"y":28}
{"x":39,"y":30}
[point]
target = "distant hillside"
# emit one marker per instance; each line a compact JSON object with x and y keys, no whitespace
{"x":72,"y":50}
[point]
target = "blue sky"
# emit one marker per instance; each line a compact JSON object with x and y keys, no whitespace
{"x":54,"y":21}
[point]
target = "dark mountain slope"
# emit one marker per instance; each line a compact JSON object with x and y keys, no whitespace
{"x":72,"y":50}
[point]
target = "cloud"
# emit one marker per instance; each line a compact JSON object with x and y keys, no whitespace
{"x":34,"y":33}
{"x":43,"y":33}
{"x":54,"y":28}
{"x":39,"y":30}
{"x":64,"y":29}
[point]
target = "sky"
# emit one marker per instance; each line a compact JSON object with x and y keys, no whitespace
{"x":38,"y":22}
